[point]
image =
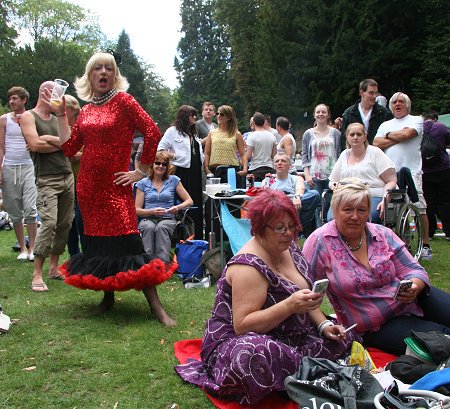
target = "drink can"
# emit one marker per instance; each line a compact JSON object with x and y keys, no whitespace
{"x":250,"y":181}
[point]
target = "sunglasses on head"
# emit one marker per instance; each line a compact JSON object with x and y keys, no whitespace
{"x":158,"y":163}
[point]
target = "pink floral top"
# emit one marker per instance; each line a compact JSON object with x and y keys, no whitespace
{"x":323,"y":157}
{"x":359,"y":295}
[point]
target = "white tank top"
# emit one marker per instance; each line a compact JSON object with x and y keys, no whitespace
{"x":16,"y":152}
{"x":280,"y":150}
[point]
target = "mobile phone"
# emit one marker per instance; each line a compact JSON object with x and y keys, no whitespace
{"x":402,"y":287}
{"x":320,"y":286}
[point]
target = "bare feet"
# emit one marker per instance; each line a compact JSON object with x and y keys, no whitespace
{"x":107,"y":302}
{"x":156,"y":307}
{"x":39,"y":287}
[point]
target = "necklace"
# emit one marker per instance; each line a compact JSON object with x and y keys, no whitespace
{"x":358,"y":246}
{"x":104,"y":98}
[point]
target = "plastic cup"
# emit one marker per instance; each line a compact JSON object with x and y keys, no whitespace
{"x":59,"y":89}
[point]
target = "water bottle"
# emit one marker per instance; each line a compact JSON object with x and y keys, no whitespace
{"x":231,"y":178}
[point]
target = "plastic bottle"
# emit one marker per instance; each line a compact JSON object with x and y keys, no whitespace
{"x":231,"y":178}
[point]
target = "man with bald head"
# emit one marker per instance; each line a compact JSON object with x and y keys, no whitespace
{"x":55,"y":187}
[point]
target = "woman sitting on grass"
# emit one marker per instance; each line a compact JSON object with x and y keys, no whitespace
{"x":364,"y":263}
{"x":265,"y":317}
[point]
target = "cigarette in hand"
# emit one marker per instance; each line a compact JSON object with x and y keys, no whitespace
{"x":348,"y":329}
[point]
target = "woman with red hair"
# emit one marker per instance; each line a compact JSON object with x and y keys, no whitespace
{"x":265,"y":318}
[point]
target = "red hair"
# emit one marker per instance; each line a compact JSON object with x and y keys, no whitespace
{"x":270,"y":206}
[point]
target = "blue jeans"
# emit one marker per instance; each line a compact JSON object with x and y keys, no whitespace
{"x":310,"y":201}
{"x":390,"y":336}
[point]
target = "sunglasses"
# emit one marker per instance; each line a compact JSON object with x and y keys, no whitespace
{"x":220,"y":114}
{"x":194,"y":114}
{"x":158,"y":163}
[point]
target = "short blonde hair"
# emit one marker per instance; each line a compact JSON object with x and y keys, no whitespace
{"x":72,"y":103}
{"x":83,"y":85}
{"x":350,"y":191}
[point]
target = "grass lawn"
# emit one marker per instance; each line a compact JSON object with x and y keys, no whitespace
{"x":59,"y":354}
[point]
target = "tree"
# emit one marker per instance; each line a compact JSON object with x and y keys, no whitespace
{"x":131,"y":68}
{"x":7,"y":33}
{"x":204,"y":59}
{"x":29,"y":67}
{"x":58,"y":20}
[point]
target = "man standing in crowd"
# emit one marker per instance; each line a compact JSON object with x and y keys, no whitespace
{"x":436,"y":175}
{"x":206,"y":124}
{"x":268,"y":127}
{"x":261,"y":148}
{"x":17,"y":173}
{"x":55,"y":186}
{"x":365,"y":111}
{"x":400,"y":138}
{"x":287,"y":143}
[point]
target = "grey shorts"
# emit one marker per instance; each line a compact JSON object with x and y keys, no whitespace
{"x":19,"y":193}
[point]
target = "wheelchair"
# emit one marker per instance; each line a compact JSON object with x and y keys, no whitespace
{"x":404,"y":219}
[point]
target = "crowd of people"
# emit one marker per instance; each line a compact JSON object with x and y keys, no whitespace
{"x":118,"y":225}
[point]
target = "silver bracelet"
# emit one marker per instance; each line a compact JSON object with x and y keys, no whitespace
{"x":322,"y":325}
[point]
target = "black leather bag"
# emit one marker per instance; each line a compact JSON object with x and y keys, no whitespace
{"x":323,"y":383}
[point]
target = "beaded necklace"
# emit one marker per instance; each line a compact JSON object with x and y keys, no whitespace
{"x":358,"y":246}
{"x":104,"y":98}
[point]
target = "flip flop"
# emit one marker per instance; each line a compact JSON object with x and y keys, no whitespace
{"x":56,"y":277}
{"x":39,"y":287}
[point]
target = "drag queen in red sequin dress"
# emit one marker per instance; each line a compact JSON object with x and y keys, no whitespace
{"x":113,"y":256}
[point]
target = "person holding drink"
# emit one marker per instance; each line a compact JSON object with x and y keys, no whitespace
{"x":113,"y":257}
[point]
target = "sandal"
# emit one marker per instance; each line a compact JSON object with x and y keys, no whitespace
{"x":56,"y":277}
{"x":39,"y":287}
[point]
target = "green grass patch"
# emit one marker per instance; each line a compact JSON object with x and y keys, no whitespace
{"x":122,"y":359}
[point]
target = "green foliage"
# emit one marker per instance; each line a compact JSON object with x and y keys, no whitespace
{"x":131,"y":68}
{"x":145,"y":85}
{"x":59,"y":21}
{"x":29,"y":67}
{"x":288,"y":56}
{"x":204,"y":59}
{"x":7,"y":33}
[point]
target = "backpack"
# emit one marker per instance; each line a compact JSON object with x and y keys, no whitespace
{"x":430,"y":151}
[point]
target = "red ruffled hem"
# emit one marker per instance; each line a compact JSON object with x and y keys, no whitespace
{"x":153,"y":273}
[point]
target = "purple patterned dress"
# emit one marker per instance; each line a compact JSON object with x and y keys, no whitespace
{"x":248,"y":367}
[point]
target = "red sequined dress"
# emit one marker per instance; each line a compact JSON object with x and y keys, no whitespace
{"x":113,"y":257}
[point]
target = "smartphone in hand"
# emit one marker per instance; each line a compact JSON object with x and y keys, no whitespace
{"x":320,"y":286}
{"x":402,"y":287}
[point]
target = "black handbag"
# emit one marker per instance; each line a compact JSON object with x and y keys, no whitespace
{"x":321,"y":383}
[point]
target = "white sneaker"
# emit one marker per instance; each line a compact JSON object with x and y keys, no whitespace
{"x":23,"y":256}
{"x":31,"y":257}
{"x":205,"y":282}
{"x":427,"y":254}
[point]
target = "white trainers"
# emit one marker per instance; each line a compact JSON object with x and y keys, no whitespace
{"x":23,"y":256}
{"x":31,"y":257}
{"x":427,"y":254}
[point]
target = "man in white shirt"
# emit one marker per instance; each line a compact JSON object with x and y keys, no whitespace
{"x":261,"y":148}
{"x":400,"y":138}
{"x":17,"y":173}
